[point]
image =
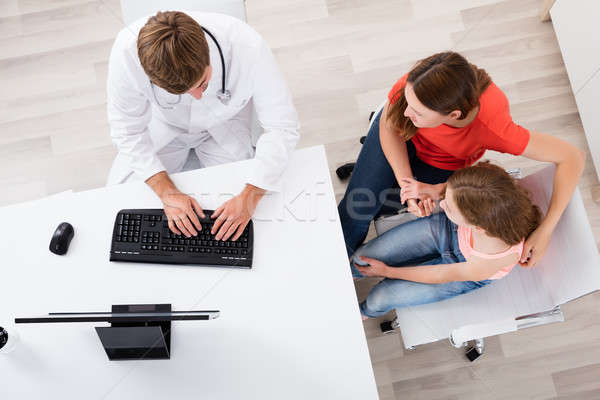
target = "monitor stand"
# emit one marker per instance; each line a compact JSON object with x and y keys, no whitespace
{"x":137,"y":340}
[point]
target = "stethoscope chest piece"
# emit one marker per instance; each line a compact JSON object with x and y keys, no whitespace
{"x":224,"y":96}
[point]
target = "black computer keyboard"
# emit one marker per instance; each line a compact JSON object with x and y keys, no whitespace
{"x":144,"y":236}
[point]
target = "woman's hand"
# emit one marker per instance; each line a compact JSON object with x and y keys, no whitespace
{"x":535,"y":247}
{"x":375,"y":268}
{"x":421,"y":208}
{"x":413,"y":189}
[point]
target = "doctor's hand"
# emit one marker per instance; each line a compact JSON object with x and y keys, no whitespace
{"x":181,"y":210}
{"x":233,"y":215}
{"x":179,"y":207}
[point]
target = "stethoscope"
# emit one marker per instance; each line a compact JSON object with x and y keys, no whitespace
{"x":223,"y":95}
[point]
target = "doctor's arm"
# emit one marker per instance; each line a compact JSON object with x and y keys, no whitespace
{"x":277,"y":116}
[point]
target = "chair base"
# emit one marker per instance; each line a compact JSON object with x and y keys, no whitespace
{"x":475,"y":351}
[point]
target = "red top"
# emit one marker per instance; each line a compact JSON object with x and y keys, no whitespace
{"x":452,"y":148}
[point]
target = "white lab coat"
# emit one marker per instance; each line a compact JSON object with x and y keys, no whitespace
{"x":142,"y":130}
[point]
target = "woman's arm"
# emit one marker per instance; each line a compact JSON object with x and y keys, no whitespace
{"x":394,"y":147}
{"x":569,"y":162}
{"x":476,"y":269}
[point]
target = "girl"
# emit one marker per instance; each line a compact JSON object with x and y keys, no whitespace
{"x":478,"y":238}
{"x":440,"y":117}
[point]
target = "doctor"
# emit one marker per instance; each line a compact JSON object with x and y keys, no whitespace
{"x":179,"y":82}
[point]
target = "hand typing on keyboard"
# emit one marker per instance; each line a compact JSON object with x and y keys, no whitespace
{"x":180,"y":208}
{"x":233,"y":216}
{"x":181,"y":211}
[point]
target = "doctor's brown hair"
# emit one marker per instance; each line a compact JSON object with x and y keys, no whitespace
{"x":443,"y":82}
{"x":173,"y":51}
{"x":488,"y":197}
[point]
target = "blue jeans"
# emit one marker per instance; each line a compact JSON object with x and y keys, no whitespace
{"x":425,"y":241}
{"x":373,"y":183}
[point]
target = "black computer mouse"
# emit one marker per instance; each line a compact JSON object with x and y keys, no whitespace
{"x":62,"y":238}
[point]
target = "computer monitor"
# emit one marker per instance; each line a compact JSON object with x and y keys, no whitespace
{"x":137,"y":331}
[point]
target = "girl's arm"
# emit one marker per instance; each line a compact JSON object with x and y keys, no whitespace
{"x":476,"y":269}
{"x":569,"y":162}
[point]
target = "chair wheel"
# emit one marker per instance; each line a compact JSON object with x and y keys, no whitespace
{"x":362,"y":139}
{"x":345,"y":170}
{"x":386,"y":327}
{"x":473,"y":354}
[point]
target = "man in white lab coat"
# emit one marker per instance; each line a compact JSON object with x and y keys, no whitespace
{"x":166,"y":97}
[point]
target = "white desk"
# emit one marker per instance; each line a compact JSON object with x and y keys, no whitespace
{"x":289,"y":327}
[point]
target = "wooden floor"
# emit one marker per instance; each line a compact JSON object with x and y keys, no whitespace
{"x":340,"y":58}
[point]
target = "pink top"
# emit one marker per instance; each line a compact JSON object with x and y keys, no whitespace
{"x":465,"y":243}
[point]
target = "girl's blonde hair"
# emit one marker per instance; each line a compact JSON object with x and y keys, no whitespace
{"x":488,"y":197}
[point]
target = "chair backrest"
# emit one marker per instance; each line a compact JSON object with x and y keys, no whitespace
{"x":134,"y":9}
{"x":571,"y":265}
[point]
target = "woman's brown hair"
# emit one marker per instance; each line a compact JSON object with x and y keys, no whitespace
{"x":488,"y":197}
{"x":173,"y":51}
{"x":443,"y":82}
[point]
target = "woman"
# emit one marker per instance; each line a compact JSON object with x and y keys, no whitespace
{"x":440,"y":117}
{"x":478,"y":238}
